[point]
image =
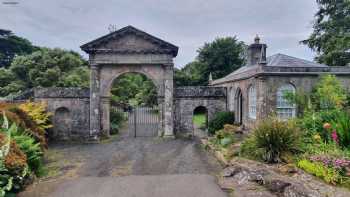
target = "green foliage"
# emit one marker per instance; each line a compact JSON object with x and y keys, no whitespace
{"x":6,"y":180}
{"x":219,"y":120}
{"x":17,"y":163}
{"x":223,"y":138}
{"x":190,"y":75}
{"x":200,"y":120}
{"x":328,"y":174}
{"x":220,"y":57}
{"x":32,"y":150}
{"x":331,"y":38}
{"x":12,"y":45}
{"x":134,"y":89}
{"x":78,"y":77}
{"x":275,"y":139}
{"x":341,"y":124}
{"x":249,"y":149}
{"x":44,"y":68}
{"x":330,"y":93}
{"x":117,"y":119}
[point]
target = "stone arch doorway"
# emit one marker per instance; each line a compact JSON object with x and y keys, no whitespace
{"x":239,"y":106}
{"x":129,"y":50}
{"x":134,"y":96}
{"x":62,"y":122}
{"x":200,"y":121}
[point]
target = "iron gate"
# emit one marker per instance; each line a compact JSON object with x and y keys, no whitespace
{"x":143,"y":121}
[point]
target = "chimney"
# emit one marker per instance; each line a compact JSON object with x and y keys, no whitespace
{"x":256,"y":53}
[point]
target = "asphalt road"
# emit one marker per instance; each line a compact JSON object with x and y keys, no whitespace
{"x":129,"y":166}
{"x":188,"y":185}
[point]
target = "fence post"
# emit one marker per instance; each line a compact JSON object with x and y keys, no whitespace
{"x":135,"y":110}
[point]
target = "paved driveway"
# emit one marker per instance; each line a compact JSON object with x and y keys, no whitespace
{"x":130,"y":167}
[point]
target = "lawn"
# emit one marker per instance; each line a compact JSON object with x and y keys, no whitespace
{"x":200,"y":120}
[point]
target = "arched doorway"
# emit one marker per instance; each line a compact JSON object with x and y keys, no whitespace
{"x":133,"y":99}
{"x":200,"y":121}
{"x":62,"y":122}
{"x":238,"y":106}
{"x":130,"y":50}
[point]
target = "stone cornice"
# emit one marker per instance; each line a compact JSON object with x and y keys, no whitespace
{"x":164,"y":47}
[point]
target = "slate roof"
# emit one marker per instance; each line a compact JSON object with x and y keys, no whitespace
{"x":278,"y":63}
{"x":165,"y":47}
{"x":289,"y":61}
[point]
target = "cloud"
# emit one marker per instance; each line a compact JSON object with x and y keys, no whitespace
{"x":185,"y":23}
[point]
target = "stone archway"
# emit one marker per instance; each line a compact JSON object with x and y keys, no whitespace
{"x":129,"y":50}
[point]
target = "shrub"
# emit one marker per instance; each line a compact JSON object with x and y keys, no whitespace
{"x":17,"y":169}
{"x":24,"y":122}
{"x":275,"y":139}
{"x":249,"y":149}
{"x":223,"y":138}
{"x":328,"y":174}
{"x":37,"y":112}
{"x":330,"y":93}
{"x":219,"y":120}
{"x":341,"y":124}
{"x":31,"y":149}
{"x":116,"y":118}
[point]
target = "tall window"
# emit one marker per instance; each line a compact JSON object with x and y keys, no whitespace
{"x":252,"y":102}
{"x":285,"y":110}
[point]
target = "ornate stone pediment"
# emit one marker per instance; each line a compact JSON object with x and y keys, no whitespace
{"x":130,"y":40}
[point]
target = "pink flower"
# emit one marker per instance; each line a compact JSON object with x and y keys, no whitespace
{"x":335,"y":136}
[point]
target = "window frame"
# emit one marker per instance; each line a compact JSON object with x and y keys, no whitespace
{"x":284,"y":109}
{"x":252,"y":102}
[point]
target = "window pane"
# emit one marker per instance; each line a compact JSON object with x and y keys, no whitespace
{"x":285,"y":109}
{"x":252,"y":102}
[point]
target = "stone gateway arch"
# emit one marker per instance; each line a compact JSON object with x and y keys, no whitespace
{"x":124,"y":51}
{"x":84,"y":114}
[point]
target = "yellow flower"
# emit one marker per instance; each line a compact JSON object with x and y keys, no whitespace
{"x":317,"y":137}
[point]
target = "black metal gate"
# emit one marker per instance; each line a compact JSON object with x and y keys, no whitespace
{"x":143,"y":121}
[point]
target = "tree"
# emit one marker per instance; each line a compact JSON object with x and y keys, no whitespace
{"x":12,"y":45}
{"x":220,"y":57}
{"x":331,"y":35}
{"x":44,"y":68}
{"x":134,"y":89}
{"x":190,"y":75}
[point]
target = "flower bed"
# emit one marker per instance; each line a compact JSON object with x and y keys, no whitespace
{"x":22,"y":144}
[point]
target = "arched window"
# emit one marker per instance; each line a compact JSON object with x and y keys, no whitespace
{"x":285,"y":110}
{"x":252,"y":102}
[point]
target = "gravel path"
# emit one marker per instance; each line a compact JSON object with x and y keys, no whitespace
{"x":126,"y":156}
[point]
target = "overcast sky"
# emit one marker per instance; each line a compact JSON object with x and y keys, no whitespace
{"x":186,"y":23}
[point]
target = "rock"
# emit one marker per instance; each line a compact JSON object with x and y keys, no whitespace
{"x":298,"y":190}
{"x":288,"y":169}
{"x":277,"y":186}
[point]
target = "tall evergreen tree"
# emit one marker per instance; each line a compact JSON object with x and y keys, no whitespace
{"x":12,"y":45}
{"x":331,"y":35}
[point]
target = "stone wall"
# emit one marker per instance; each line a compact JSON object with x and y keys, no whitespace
{"x":187,"y":99}
{"x":266,"y":87}
{"x":70,"y":109}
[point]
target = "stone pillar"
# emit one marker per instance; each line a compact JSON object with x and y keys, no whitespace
{"x":94,"y":101}
{"x":160,"y":100}
{"x":168,"y":101}
{"x":106,"y":127}
{"x":262,"y":96}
